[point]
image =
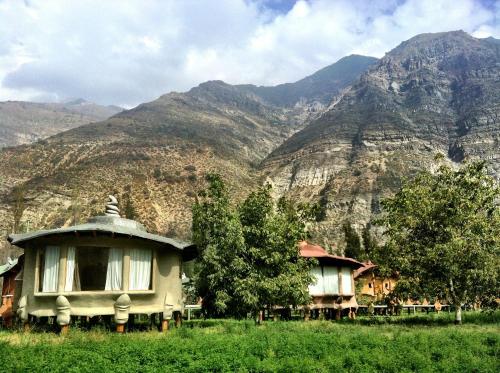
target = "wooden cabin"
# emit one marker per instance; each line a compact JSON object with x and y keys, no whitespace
{"x":333,"y":290}
{"x":373,"y":286}
{"x":107,"y":266}
{"x":11,"y":273}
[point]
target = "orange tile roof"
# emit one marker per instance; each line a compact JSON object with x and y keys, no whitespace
{"x":308,"y":250}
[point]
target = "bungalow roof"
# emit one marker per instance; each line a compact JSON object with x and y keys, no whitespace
{"x":108,"y":224}
{"x":308,"y":250}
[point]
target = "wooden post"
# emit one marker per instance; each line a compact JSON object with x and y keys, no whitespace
{"x":64,"y":329}
{"x":178,"y":319}
{"x":26,"y":326}
{"x":120,"y":328}
{"x":352,"y":314}
{"x":164,"y":325}
{"x":307,"y":314}
{"x":337,"y":314}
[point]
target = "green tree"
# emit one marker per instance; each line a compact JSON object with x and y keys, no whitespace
{"x":353,"y":247}
{"x":249,"y":255}
{"x":278,"y":274}
{"x":443,"y":234}
{"x":218,"y":234}
{"x":371,"y":246}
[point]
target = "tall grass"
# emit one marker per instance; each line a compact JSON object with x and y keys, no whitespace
{"x":230,"y":345}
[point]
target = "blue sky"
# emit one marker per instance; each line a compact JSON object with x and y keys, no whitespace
{"x":125,"y":52}
{"x":280,"y":6}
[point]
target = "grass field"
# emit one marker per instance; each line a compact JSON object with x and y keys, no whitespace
{"x":418,"y":343}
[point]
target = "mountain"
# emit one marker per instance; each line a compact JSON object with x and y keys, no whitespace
{"x":433,"y":93}
{"x":343,"y":137}
{"x":319,"y":87}
{"x":154,"y":156}
{"x":26,"y":122}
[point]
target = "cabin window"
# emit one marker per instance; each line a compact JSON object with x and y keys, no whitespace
{"x":317,"y":287}
{"x":331,"y":280}
{"x":370,"y":285}
{"x":49,"y":269}
{"x":140,"y":269}
{"x":387,"y":285}
{"x":327,"y":281}
{"x":346,"y":281}
{"x":93,"y":269}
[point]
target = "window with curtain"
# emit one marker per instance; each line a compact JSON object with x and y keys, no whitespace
{"x":114,"y":272}
{"x":72,"y":282}
{"x":317,"y":288}
{"x":140,"y":269}
{"x":49,"y":269}
{"x":346,"y":281}
{"x":90,"y":268}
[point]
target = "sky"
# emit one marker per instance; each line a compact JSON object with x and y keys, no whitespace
{"x":125,"y":52}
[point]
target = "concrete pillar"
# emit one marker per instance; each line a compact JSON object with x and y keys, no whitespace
{"x":122,"y":307}
{"x":63,"y":308}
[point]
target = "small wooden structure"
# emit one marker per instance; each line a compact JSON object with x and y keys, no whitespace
{"x":373,"y":286}
{"x":334,"y":289}
{"x":107,"y":266}
{"x":11,"y":272}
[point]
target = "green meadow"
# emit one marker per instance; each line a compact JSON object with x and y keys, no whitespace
{"x":423,"y":343}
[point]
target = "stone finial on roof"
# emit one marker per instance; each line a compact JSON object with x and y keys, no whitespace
{"x":112,"y":207}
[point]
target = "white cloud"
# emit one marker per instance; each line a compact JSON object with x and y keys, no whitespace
{"x":127,"y":52}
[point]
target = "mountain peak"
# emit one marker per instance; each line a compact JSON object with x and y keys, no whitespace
{"x":77,"y":101}
{"x":437,"y":44}
{"x":321,"y":86}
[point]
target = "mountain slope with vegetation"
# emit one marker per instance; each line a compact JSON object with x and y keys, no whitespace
{"x":27,"y":122}
{"x":435,"y":93}
{"x":343,"y":143}
{"x":154,"y":157}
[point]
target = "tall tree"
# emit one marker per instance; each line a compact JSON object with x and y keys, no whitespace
{"x":443,"y":234}
{"x":218,"y":234}
{"x":278,"y":275}
{"x":353,"y":247}
{"x":250,"y":257}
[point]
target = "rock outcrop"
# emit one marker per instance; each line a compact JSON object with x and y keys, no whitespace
{"x":154,"y":157}
{"x":433,"y":93}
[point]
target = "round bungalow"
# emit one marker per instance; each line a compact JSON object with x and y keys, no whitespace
{"x":107,"y":266}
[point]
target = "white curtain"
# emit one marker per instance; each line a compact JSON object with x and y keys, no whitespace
{"x":331,"y":280}
{"x":70,"y":269}
{"x":115,"y":269}
{"x":51,"y":269}
{"x":140,"y":269}
{"x":318,"y":287}
{"x":346,"y":281}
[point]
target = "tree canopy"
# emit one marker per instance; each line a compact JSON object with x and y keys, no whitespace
{"x":249,"y":254}
{"x":443,"y":234}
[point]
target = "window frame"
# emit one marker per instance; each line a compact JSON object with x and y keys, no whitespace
{"x":340,"y":281}
{"x":63,"y":253}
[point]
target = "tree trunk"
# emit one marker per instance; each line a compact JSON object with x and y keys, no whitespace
{"x":458,"y":314}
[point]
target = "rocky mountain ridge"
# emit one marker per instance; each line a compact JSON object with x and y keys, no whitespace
{"x":435,"y":93}
{"x":153,"y":157}
{"x":342,"y":143}
{"x":26,"y":122}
